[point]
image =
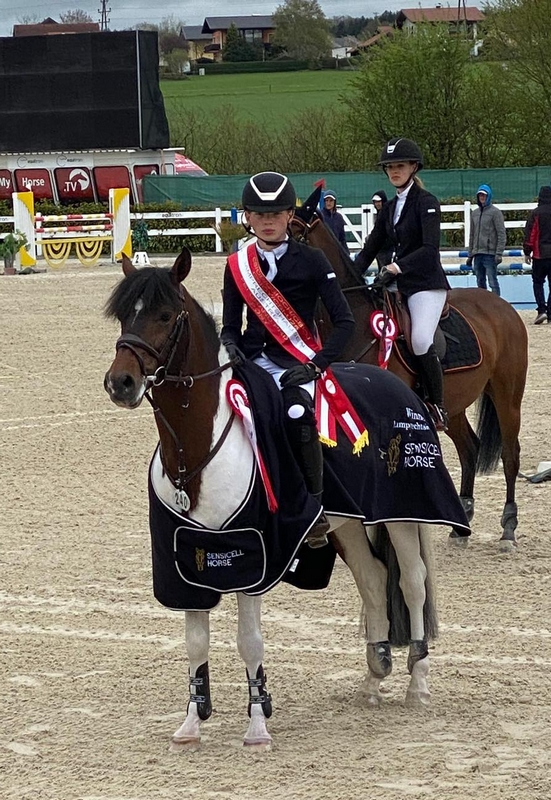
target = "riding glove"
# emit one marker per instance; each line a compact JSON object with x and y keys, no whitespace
{"x":236,"y":356}
{"x":385,"y":277}
{"x":302,"y":373}
{"x":469,"y":261}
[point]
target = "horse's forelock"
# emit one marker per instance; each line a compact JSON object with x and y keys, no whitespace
{"x":152,"y":285}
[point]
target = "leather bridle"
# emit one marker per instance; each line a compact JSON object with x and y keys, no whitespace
{"x":164,"y":358}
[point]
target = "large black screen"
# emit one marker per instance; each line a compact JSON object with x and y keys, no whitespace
{"x":81,"y":91}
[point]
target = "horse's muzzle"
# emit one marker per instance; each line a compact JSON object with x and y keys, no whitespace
{"x":123,"y":389}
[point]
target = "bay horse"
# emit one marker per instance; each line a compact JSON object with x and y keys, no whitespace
{"x":498,"y":382}
{"x":169,"y":352}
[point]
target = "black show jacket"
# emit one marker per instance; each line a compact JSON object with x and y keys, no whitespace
{"x":416,"y":242}
{"x":304,"y":275}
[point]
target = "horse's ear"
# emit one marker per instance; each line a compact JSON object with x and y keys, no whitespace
{"x":181,"y":267}
{"x":306,"y":211}
{"x":127,"y":266}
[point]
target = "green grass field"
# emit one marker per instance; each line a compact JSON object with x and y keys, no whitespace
{"x":261,"y":97}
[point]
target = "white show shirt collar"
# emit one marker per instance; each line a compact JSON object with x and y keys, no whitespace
{"x":271,"y":255}
{"x":401,"y":198}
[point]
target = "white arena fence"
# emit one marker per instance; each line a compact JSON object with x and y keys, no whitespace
{"x":358,"y":221}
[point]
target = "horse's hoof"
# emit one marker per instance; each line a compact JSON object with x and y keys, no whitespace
{"x":507,"y":546}
{"x":374,"y":700}
{"x":259,"y":745}
{"x":417,"y":699}
{"x":188,"y":744}
{"x":458,"y":541}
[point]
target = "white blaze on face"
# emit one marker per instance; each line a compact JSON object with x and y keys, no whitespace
{"x":137,"y":308}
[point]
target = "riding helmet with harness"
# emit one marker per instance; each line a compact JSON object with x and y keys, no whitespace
{"x":268,"y":192}
{"x":398,"y":149}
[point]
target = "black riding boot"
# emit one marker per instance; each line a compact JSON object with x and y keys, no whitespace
{"x":310,"y":459}
{"x":431,"y":372}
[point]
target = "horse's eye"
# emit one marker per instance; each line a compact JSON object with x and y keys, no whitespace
{"x":166,"y":316}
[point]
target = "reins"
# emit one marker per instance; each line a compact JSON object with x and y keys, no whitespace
{"x":164,"y":358}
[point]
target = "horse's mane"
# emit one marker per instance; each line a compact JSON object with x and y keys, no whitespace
{"x":154,"y":287}
{"x":344,"y":254}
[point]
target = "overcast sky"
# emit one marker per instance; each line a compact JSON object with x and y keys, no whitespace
{"x":125,"y":13}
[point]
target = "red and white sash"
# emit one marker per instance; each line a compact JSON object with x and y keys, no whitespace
{"x":289,"y":330}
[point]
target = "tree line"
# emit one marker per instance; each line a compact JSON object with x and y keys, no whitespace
{"x":465,"y":111}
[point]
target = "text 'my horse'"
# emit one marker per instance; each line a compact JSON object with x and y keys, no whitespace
{"x":169,"y":352}
{"x":498,"y":381}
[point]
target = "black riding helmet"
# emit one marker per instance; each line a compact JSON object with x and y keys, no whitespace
{"x":268,"y":191}
{"x":398,"y":149}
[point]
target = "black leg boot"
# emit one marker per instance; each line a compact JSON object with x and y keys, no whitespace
{"x":431,"y":372}
{"x":310,"y":458}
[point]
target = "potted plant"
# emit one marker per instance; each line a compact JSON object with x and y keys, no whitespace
{"x":9,"y":247}
{"x":230,"y":234}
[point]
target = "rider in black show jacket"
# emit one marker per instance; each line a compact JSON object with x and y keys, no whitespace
{"x":416,"y":241}
{"x":411,"y":223}
{"x":302,"y":277}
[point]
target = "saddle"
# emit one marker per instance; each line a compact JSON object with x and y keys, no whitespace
{"x":455,"y":340}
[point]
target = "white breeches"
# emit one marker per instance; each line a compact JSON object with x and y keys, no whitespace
{"x":276,"y":372}
{"x":425,"y":309}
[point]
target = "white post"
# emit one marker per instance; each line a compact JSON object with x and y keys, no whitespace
{"x":466,"y":222}
{"x":218,"y":220}
{"x":365,"y":222}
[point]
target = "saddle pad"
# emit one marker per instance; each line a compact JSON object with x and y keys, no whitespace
{"x":462,"y":346}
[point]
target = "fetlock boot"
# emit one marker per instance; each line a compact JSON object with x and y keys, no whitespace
{"x":431,"y":372}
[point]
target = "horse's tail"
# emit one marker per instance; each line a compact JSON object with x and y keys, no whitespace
{"x":397,"y":610}
{"x":489,"y":435}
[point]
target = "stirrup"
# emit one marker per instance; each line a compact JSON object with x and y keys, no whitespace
{"x":317,"y":536}
{"x":439,"y":416}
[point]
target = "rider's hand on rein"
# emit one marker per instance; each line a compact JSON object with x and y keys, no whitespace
{"x":302,"y":373}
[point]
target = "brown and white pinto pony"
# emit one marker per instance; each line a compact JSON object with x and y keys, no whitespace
{"x":169,"y":347}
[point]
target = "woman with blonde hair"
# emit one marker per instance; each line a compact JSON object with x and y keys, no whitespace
{"x":411,"y":222}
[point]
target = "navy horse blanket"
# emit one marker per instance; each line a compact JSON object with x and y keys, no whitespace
{"x":398,"y":476}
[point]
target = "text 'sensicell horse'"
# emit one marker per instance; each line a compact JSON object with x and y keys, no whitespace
{"x":497,"y":381}
{"x":170,"y":353}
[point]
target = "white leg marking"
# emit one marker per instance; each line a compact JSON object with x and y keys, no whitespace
{"x":413,"y":573}
{"x":370,"y":576}
{"x":188,"y":735}
{"x":251,"y":649}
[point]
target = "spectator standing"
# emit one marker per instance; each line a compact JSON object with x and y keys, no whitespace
{"x":332,"y":218}
{"x":487,"y":240}
{"x":384,"y":256}
{"x":537,"y":249}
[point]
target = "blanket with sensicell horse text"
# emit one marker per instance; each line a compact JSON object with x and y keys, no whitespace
{"x":398,"y":476}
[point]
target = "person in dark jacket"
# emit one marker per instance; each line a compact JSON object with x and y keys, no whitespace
{"x":487,"y":240}
{"x":537,"y":249}
{"x":411,"y":222}
{"x":333,"y":218}
{"x":384,"y":256}
{"x":302,"y":275}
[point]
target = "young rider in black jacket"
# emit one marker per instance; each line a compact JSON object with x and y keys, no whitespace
{"x":411,"y":222}
{"x":302,"y":275}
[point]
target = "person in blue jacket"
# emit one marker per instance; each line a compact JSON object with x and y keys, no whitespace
{"x":332,"y":218}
